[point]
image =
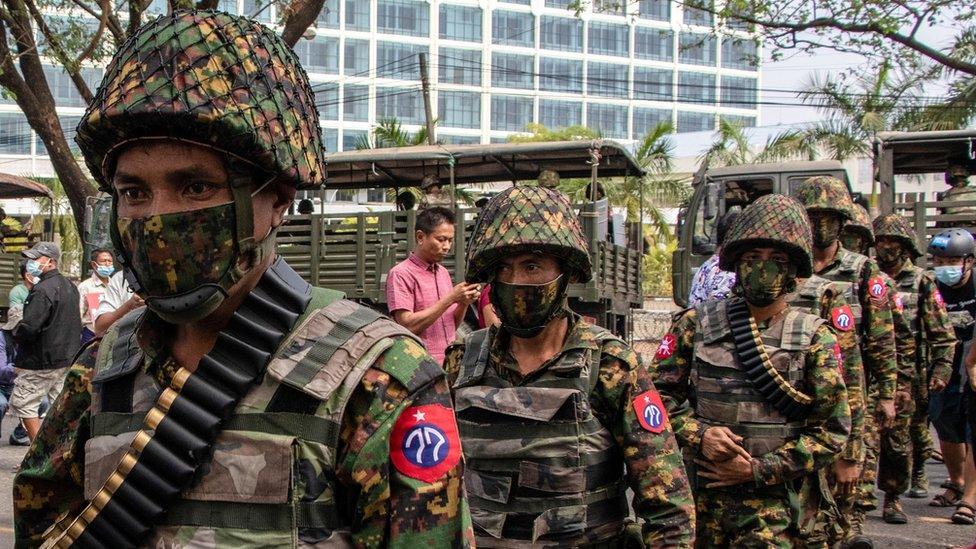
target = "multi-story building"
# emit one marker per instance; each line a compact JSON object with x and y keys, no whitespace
{"x":619,"y":66}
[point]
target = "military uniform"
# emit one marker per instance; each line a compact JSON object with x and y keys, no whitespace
{"x":313,"y":421}
{"x":704,"y":383}
{"x":961,"y":191}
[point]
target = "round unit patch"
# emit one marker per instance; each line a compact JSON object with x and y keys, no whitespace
{"x":842,"y":318}
{"x":650,"y":411}
{"x":666,"y":348}
{"x":877,"y":287}
{"x":424,"y":444}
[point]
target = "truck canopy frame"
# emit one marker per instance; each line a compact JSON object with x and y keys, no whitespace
{"x":15,"y":186}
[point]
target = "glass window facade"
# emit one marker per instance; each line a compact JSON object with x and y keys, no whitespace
{"x":356,"y":57}
{"x":459,"y":109}
{"x":646,"y":119}
{"x":559,"y":4}
{"x":607,"y":80}
{"x":653,"y":44}
{"x":618,"y":7}
{"x":512,"y":70}
{"x":696,"y":87}
{"x":555,"y":114}
{"x":609,"y":120}
{"x":513,"y":28}
{"x":653,"y":84}
{"x":695,"y":15}
{"x":739,"y":92}
{"x":740,"y":54}
{"x":743,"y":121}
{"x":609,"y":39}
{"x":560,"y":33}
{"x":15,"y":134}
{"x":458,"y":139}
{"x":68,"y":125}
{"x":510,"y":112}
{"x":697,"y":49}
{"x":404,"y":104}
{"x":398,"y":60}
{"x":695,"y":122}
{"x":458,"y":66}
{"x":330,"y":140}
{"x":63,"y":88}
{"x":357,"y":15}
{"x":522,"y":2}
{"x":328,"y":18}
{"x":352,"y":138}
{"x":319,"y":55}
{"x":460,"y":23}
{"x":355,"y":103}
{"x":658,"y":10}
{"x":409,"y":17}
{"x":327,"y":101}
{"x":560,"y":75}
{"x":259,"y":10}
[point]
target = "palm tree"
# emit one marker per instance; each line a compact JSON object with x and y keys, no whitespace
{"x":538,"y":133}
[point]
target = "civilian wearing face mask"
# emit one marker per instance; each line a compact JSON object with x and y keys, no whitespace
{"x":91,"y":290}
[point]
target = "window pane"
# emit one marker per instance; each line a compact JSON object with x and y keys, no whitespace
{"x":522,"y":2}
{"x":646,"y":120}
{"x":738,"y":92}
{"x":259,"y":10}
{"x":459,"y":109}
{"x":460,"y":23}
{"x":398,"y":60}
{"x":355,"y":103}
{"x":655,"y":44}
{"x":696,"y":87}
{"x":328,"y":18}
{"x":559,"y":4}
{"x":357,"y":15}
{"x":696,"y":15}
{"x":659,"y":10}
{"x":607,"y":80}
{"x":459,"y":139}
{"x":695,"y":122}
{"x":330,"y":140}
{"x":357,"y":57}
{"x":609,"y":120}
{"x":561,"y":33}
{"x":560,"y":75}
{"x":64,"y":90}
{"x":512,"y":70}
{"x":350,"y":142}
{"x":319,"y":55}
{"x":69,"y":125}
{"x":743,"y":121}
{"x":15,"y":134}
{"x":513,"y":28}
{"x":555,"y":114}
{"x":653,"y":84}
{"x":739,"y":54}
{"x":402,"y":17}
{"x":697,"y":49}
{"x":327,"y":99}
{"x":609,"y":39}
{"x":457,"y":66}
{"x":510,"y":112}
{"x":404,"y":104}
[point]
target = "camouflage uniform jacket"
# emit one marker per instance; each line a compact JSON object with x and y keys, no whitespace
{"x":382,"y":502}
{"x":868,"y":297}
{"x":906,"y":349}
{"x":655,"y":473}
{"x":826,"y":299}
{"x":820,"y":438}
{"x":928,"y":321}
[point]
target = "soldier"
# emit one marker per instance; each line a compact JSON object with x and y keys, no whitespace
{"x":957,"y":178}
{"x":550,"y":407}
{"x":928,"y":326}
{"x":240,"y":407}
{"x":755,"y":391}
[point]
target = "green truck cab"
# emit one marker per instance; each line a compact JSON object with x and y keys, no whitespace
{"x":16,"y":187}
{"x":718,"y":190}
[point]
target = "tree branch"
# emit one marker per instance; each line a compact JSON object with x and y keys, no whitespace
{"x":301,"y":15}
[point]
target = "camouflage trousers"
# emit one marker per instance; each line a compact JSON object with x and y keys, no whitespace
{"x":865,"y":499}
{"x":757,"y":518}
{"x":919,"y":433}
{"x":895,"y":467}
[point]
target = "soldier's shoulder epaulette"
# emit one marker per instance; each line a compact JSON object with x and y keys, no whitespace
{"x":408,"y":362}
{"x":621,"y":351}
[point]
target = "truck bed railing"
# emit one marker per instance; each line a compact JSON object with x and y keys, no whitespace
{"x":927,"y":218}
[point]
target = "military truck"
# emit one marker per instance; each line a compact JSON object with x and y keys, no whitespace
{"x":353,"y":252}
{"x":12,"y":243}
{"x":718,"y":190}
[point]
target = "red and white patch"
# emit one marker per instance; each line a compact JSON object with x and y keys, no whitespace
{"x":650,"y":411}
{"x":842,"y":318}
{"x":666,"y":348}
{"x":877,"y":288}
{"x":839,"y":355}
{"x":937,"y":295}
{"x":424,"y":444}
{"x":899,"y":303}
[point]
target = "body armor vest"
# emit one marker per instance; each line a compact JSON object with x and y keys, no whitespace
{"x":271,"y":478}
{"x":724,"y":396}
{"x":908,"y":284}
{"x":847,"y":276}
{"x":540,"y":467}
{"x":809,"y":293}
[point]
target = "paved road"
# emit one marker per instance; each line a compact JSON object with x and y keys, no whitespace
{"x":929,"y":527}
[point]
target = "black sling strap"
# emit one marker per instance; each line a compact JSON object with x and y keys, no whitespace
{"x":167,"y":455}
{"x":755,"y":362}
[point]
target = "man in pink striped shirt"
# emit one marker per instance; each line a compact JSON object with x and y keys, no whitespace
{"x":419,"y":291}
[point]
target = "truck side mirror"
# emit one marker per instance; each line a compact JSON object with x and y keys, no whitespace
{"x":711,"y":202}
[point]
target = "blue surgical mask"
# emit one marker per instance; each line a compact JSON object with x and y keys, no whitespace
{"x":105,"y":271}
{"x":949,"y":275}
{"x":33,"y":267}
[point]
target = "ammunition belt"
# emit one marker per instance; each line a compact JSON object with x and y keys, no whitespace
{"x":758,"y":369}
{"x":176,"y":440}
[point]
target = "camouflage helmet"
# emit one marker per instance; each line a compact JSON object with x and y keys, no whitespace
{"x":826,"y":193}
{"x":861,"y":223}
{"x":774,"y":220}
{"x":524,"y":219}
{"x":895,"y":226}
{"x":957,"y":170}
{"x":213,"y":79}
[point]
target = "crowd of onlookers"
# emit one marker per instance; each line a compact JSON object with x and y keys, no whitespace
{"x":49,"y":318}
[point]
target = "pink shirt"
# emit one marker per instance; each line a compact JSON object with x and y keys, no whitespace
{"x":414,"y":285}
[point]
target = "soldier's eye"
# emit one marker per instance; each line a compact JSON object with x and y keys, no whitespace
{"x":133,"y":194}
{"x":198,"y":188}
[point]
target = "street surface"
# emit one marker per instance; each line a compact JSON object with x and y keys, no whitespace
{"x":927,"y":527}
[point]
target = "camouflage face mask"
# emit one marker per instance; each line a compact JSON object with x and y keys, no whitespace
{"x":764,"y":280}
{"x":526,"y":309}
{"x":826,"y":230}
{"x":853,"y":242}
{"x":888,"y":255}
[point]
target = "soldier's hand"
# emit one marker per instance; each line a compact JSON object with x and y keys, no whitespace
{"x":886,"y":412}
{"x":903,"y":399}
{"x":721,"y":444}
{"x":726,"y":473}
{"x":936,"y":385}
{"x":846,"y":475}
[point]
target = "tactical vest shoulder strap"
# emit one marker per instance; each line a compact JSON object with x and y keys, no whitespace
{"x":713,"y":320}
{"x":475,"y":358}
{"x":814,"y":287}
{"x":853,"y":262}
{"x":799,"y":328}
{"x":118,"y":357}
